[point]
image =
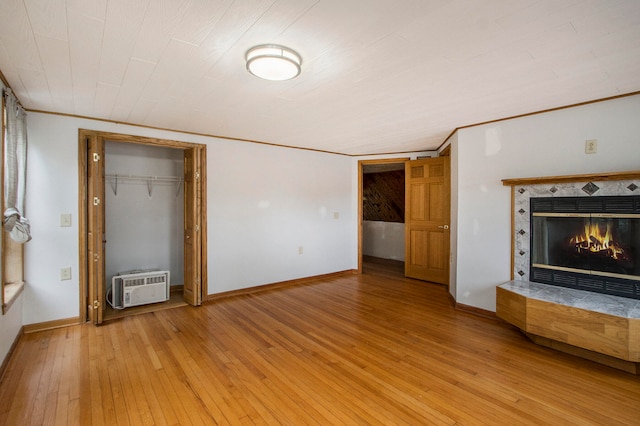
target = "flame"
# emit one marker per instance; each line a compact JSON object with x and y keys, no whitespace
{"x":596,"y":241}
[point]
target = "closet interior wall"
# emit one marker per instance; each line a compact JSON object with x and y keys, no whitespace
{"x":144,"y":210}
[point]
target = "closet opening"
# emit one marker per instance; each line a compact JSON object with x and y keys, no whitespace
{"x":144,"y":217}
{"x":143,"y":227}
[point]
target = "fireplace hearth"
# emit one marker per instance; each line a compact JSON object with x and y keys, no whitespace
{"x":575,"y":280}
{"x":587,"y":243}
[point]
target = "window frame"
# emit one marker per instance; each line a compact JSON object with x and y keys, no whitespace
{"x":12,"y":253}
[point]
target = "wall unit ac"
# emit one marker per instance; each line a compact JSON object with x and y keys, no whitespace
{"x":139,"y":288}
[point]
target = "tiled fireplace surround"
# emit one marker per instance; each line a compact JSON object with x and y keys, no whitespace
{"x":619,"y":306}
{"x":522,"y":214}
{"x":544,"y":312}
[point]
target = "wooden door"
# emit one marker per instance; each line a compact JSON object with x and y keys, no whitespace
{"x":192,"y":228}
{"x":95,"y":228}
{"x":427,"y":219}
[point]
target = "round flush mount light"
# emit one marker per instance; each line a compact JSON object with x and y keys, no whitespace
{"x":273,"y":62}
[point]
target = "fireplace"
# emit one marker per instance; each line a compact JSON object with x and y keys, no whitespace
{"x":587,"y":243}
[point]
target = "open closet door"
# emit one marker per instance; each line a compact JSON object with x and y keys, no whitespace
{"x":95,"y":234}
{"x":192,"y":228}
{"x":427,"y":219}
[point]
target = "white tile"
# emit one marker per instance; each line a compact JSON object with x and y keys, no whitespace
{"x":56,"y":62}
{"x":200,"y":17}
{"x":85,"y":41}
{"x":16,"y":32}
{"x":12,"y":75}
{"x":105,"y":99}
{"x":155,"y":33}
{"x":131,"y":89}
{"x":95,"y":9}
{"x":48,"y":18}
{"x":37,"y":87}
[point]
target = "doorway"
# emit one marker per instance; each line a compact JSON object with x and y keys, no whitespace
{"x":425,"y":227}
{"x":97,"y":188}
{"x":381,"y":186}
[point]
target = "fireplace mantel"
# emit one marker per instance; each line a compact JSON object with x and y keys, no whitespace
{"x":561,"y":326}
{"x":632,"y":175}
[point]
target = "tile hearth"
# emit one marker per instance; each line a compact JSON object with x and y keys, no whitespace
{"x":602,"y":303}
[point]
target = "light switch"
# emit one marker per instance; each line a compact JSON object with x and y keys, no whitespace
{"x":65,"y":220}
{"x":591,"y":146}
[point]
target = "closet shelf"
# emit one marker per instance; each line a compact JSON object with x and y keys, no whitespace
{"x":115,"y":179}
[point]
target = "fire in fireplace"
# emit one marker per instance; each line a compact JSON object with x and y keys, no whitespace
{"x":590,"y":243}
{"x":598,"y":243}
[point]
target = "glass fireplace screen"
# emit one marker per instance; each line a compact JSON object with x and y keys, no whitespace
{"x":579,"y":243}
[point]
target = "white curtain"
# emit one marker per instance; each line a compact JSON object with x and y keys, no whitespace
{"x":15,"y":170}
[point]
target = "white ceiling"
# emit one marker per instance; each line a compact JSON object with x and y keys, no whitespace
{"x":378,"y":76}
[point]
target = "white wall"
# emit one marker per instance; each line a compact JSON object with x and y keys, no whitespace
{"x":549,"y":144}
{"x":144,"y":231}
{"x":263,"y":202}
{"x":383,"y":239}
{"x":10,"y":326}
{"x":453,"y":225}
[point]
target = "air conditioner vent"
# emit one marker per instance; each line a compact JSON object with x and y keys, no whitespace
{"x":135,"y":288}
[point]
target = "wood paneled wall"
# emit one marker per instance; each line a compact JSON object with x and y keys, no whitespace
{"x":383,"y":196}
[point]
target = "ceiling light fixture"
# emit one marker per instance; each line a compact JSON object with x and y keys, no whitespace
{"x":273,"y":62}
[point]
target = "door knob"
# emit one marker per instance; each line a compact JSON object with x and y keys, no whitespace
{"x":443,"y":226}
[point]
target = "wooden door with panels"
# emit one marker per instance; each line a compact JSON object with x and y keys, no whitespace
{"x":427,"y":216}
{"x":92,"y":219}
{"x":192,"y":243}
{"x":95,"y":261}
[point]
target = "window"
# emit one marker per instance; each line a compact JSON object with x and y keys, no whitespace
{"x":15,"y":226}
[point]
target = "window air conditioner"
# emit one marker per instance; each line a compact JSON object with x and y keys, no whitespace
{"x":135,"y":288}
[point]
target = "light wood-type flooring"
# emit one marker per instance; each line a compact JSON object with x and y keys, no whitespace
{"x":357,"y":349}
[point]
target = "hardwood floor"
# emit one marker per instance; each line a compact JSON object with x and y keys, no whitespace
{"x":363,"y":349}
{"x":176,"y":299}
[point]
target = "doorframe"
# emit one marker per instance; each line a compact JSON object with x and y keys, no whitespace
{"x":361,"y":164}
{"x":83,"y":211}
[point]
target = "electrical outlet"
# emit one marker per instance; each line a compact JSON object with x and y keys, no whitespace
{"x":65,"y":274}
{"x":336,"y":215}
{"x":591,"y":146}
{"x":300,"y":250}
{"x":65,"y":220}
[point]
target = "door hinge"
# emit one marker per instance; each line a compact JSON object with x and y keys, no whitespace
{"x":96,"y":157}
{"x":197,"y":228}
{"x":96,"y":304}
{"x":197,"y":175}
{"x":96,"y":257}
{"x":96,"y":201}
